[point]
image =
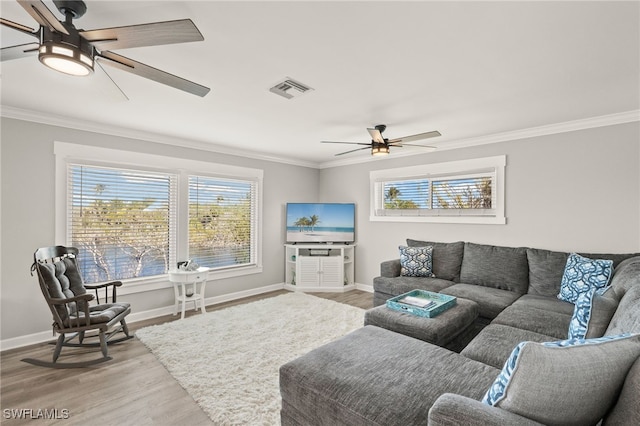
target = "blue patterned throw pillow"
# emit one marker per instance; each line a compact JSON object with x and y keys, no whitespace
{"x":416,"y":261}
{"x":497,"y":390}
{"x":582,"y":274}
{"x":581,"y":315}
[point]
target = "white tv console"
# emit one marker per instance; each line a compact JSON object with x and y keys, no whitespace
{"x":320,"y":267}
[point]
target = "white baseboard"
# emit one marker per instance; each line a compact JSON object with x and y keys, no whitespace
{"x":342,"y":289}
{"x":26,"y":340}
{"x":364,"y":287}
{"x":45,"y":336}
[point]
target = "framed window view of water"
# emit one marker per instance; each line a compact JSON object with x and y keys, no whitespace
{"x":131,"y":222}
{"x":121,"y":221}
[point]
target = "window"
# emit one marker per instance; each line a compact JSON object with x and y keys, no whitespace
{"x":121,"y":222}
{"x":470,"y":191}
{"x":134,"y":215}
{"x":221,"y":221}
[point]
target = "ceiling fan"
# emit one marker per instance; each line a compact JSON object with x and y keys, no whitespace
{"x":73,"y":51}
{"x":381,"y":146}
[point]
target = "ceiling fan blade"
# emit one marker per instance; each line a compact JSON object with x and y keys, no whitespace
{"x":43,"y":15}
{"x":19,"y":51}
{"x":151,"y":73}
{"x":417,"y":137}
{"x":353,"y":150}
{"x":20,"y":27}
{"x":400,"y":145}
{"x":376,"y":136}
{"x":349,"y":143}
{"x":153,"y":34}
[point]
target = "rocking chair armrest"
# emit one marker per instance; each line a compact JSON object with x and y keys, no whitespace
{"x":106,"y":286}
{"x":103,"y":285}
{"x":82,"y":297}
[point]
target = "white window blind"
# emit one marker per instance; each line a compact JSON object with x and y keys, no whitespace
{"x":474,"y":192}
{"x":405,"y":194}
{"x":122,"y":221}
{"x":459,"y":190}
{"x":222,"y":221}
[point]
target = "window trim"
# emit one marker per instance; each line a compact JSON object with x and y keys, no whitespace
{"x":452,"y":168}
{"x":66,"y":153}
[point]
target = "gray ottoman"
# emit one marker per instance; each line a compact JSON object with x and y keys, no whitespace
{"x":439,"y":330}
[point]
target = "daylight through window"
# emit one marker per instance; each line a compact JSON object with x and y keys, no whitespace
{"x":133,"y":216}
{"x":463,"y":191}
{"x":121,"y":221}
{"x":222,"y":216}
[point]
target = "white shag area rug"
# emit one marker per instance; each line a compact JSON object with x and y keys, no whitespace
{"x":228,"y":360}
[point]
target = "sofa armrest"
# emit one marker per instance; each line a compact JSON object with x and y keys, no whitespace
{"x":390,"y":268}
{"x":453,"y":410}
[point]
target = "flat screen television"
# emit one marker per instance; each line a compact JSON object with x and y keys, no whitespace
{"x":321,"y":222}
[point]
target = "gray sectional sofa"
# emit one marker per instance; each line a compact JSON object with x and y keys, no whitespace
{"x":375,"y":376}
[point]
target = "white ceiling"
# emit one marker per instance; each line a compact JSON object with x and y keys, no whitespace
{"x":468,"y":69}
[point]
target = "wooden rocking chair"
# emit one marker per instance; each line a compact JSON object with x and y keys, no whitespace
{"x":68,"y":300}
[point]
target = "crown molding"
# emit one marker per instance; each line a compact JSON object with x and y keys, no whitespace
{"x":551,"y":129}
{"x":125,"y":132}
{"x":568,"y":126}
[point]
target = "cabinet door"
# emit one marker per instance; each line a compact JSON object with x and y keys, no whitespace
{"x":332,"y":271}
{"x":308,"y":273}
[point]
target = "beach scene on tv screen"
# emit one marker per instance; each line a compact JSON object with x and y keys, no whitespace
{"x":320,"y":222}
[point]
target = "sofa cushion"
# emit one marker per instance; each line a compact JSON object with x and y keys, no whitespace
{"x":616,"y":258}
{"x":491,"y":300}
{"x":505,"y":268}
{"x":545,"y":303}
{"x":416,"y":261}
{"x":399,"y":285}
{"x":582,"y":274}
{"x":495,"y":342}
{"x":626,"y":319}
{"x":545,"y":271}
{"x":625,"y":276}
{"x":627,"y":408}
{"x":603,"y":307}
{"x":373,"y":376}
{"x":591,"y":315}
{"x":447,"y":258}
{"x":555,"y":324}
{"x":562,"y":392}
{"x":546,"y":268}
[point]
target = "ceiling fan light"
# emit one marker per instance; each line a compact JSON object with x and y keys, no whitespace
{"x":67,"y":59}
{"x":64,"y":51}
{"x":87,"y":60}
{"x":379,"y":150}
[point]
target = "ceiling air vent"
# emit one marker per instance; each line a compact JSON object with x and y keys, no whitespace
{"x":290,"y":88}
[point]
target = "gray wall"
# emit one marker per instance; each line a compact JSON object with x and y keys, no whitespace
{"x":576,"y":191}
{"x":27,"y":217}
{"x":573,"y":191}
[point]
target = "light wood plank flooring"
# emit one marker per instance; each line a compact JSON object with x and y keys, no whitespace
{"x":132,"y":389}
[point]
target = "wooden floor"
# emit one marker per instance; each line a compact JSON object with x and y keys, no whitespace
{"x":132,"y":389}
